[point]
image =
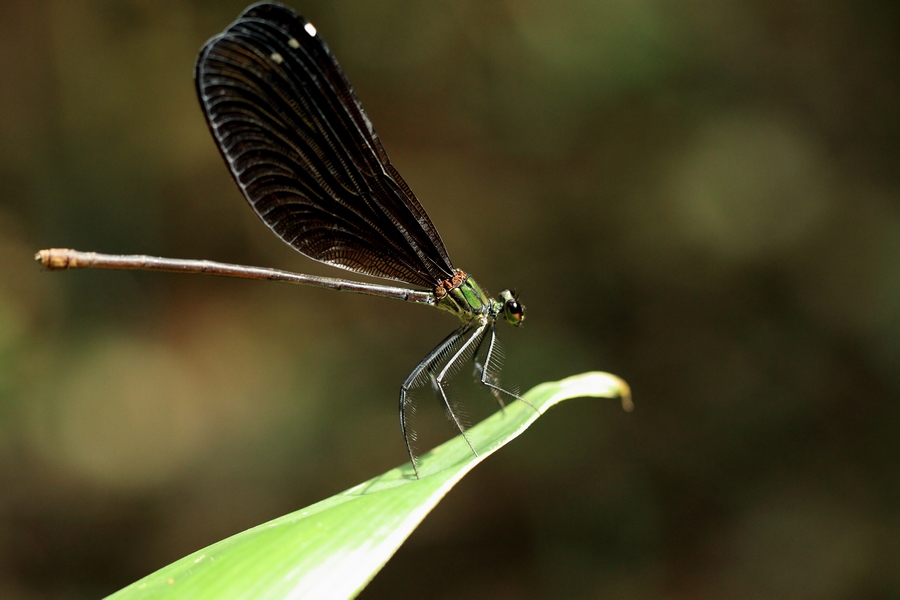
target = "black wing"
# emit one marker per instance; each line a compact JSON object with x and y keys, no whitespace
{"x":306,"y":156}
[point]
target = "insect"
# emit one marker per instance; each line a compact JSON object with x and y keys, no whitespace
{"x":307,"y":159}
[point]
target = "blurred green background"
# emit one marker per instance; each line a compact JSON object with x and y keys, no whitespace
{"x":702,"y":197}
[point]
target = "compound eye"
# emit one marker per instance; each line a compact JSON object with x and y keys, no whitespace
{"x":514,"y":311}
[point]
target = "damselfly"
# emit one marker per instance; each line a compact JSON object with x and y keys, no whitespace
{"x":307,"y":159}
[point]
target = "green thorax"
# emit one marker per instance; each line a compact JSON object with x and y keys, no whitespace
{"x":466,"y":301}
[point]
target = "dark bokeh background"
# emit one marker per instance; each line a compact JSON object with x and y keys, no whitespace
{"x":702,"y":197}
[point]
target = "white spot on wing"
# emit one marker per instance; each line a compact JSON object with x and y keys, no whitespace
{"x":276,"y":57}
{"x":293,"y":43}
{"x":310,"y":29}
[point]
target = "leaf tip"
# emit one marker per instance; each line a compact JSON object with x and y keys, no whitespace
{"x":624,"y":391}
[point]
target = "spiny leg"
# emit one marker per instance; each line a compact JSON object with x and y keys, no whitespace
{"x":476,"y":362}
{"x":485,"y":372}
{"x":481,"y":370}
{"x":439,"y":380}
{"x":425,"y":365}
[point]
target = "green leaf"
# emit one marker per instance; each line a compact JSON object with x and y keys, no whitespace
{"x":333,"y":548}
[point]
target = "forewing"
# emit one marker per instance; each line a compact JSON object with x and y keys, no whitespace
{"x":304,"y":153}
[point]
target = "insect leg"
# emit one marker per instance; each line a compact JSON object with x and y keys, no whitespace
{"x":426,"y":365}
{"x":475,"y":338}
{"x":486,"y":377}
